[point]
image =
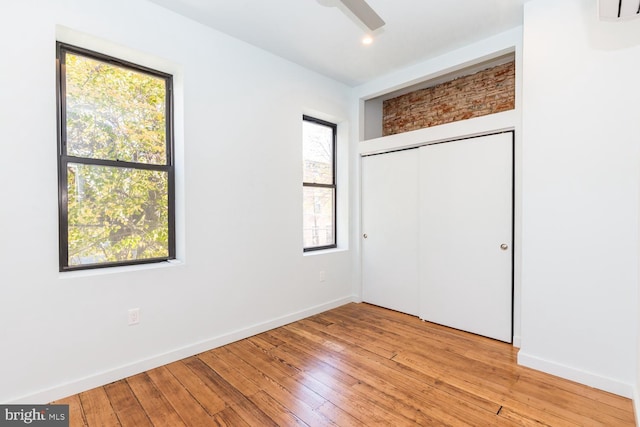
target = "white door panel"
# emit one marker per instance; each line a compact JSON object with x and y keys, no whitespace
{"x":390,"y":221}
{"x":466,"y":215}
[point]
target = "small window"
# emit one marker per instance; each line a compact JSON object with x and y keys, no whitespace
{"x":319,"y":184}
{"x":115,"y":162}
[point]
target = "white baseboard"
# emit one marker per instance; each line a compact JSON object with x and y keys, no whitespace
{"x":106,"y":377}
{"x":577,"y":375}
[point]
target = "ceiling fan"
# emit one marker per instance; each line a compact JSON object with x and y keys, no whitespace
{"x":364,"y":13}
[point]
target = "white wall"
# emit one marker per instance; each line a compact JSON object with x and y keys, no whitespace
{"x":239,"y":195}
{"x":581,"y":179}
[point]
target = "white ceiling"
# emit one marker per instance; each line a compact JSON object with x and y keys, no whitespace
{"x":324,"y":36}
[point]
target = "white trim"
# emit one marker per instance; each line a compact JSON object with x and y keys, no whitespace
{"x":106,"y":377}
{"x":587,"y":378}
{"x":504,"y":121}
{"x":172,"y":263}
{"x":324,"y":251}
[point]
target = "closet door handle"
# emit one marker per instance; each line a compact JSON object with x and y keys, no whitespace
{"x":504,"y":246}
{"x":365,"y":235}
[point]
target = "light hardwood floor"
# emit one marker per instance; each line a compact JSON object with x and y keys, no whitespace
{"x":357,"y":365}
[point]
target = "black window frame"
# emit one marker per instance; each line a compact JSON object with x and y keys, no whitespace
{"x":64,"y":159}
{"x":334,"y":185}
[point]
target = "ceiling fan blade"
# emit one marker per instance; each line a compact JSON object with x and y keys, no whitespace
{"x":364,"y":13}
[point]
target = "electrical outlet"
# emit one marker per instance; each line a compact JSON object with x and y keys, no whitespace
{"x":323,"y":276}
{"x":134,"y":316}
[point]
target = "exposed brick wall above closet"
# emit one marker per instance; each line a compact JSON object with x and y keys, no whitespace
{"x":485,"y":92}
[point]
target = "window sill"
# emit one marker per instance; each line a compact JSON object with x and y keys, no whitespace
{"x":123,"y":269}
{"x":324,"y":251}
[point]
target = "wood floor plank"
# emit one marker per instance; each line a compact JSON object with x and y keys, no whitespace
{"x":424,"y":333}
{"x":229,"y":418}
{"x":212,"y":380}
{"x":126,"y":405}
{"x":274,"y":410}
{"x":207,"y":398}
{"x":424,"y":336}
{"x":76,"y":415}
{"x":234,"y":377}
{"x":372,"y":338}
{"x":188,"y":407}
{"x":359,"y":404}
{"x":338,"y":416}
{"x":97,"y":408}
{"x":277,"y":370}
{"x":519,"y":419}
{"x":265,"y":342}
{"x":321,"y":319}
{"x":328,"y":383}
{"x":312,"y":364}
{"x":241,"y":405}
{"x":157,"y":407}
{"x":274,"y":390}
{"x":253,"y":415}
{"x":288,"y":390}
{"x":356,"y":365}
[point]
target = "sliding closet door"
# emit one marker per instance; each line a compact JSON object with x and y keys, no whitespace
{"x":465,"y":235}
{"x":390,"y":230}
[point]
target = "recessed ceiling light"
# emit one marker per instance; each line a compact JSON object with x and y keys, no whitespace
{"x":367,"y":40}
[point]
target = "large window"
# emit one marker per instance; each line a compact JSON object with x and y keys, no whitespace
{"x":115,"y":161}
{"x":319,"y":184}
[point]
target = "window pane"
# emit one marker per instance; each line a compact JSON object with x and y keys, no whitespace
{"x":114,"y":113}
{"x":317,"y":153}
{"x":116,"y":214}
{"x":318,"y":217}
